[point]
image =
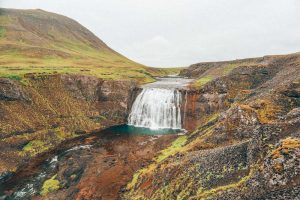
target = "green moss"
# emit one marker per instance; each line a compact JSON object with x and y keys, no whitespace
{"x":61,"y":134}
{"x":173,"y":149}
{"x":213,"y":118}
{"x":34,"y":147}
{"x":50,"y":185}
{"x":202,"y":81}
{"x":134,"y":181}
{"x":185,"y":193}
{"x":205,"y":194}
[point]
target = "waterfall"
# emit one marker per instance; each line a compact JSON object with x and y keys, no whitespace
{"x":157,"y":108}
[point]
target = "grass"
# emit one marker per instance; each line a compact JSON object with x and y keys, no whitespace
{"x":173,"y":149}
{"x":202,"y":81}
{"x":60,"y":51}
{"x":40,"y":140}
{"x":24,"y":65}
{"x":14,"y":77}
{"x":2,"y":32}
{"x":228,"y":68}
{"x":50,"y":185}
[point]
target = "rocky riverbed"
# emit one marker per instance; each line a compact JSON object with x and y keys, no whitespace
{"x":97,"y":166}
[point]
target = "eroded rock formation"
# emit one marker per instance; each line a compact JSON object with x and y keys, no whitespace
{"x":244,"y":138}
{"x":40,"y":113}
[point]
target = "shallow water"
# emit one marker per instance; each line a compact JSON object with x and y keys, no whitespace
{"x":133,"y":130}
{"x":170,"y":83}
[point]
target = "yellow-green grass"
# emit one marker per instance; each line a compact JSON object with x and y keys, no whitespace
{"x":228,"y":68}
{"x":14,"y":64}
{"x":202,"y":81}
{"x":63,"y":52}
{"x":34,"y":147}
{"x":173,"y":149}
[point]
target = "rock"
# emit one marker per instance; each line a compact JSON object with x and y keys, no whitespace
{"x":83,"y":87}
{"x":281,"y":167}
{"x":11,"y":91}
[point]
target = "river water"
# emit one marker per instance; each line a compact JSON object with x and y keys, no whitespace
{"x":159,"y":105}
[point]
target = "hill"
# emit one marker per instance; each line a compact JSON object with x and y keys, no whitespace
{"x":36,"y":41}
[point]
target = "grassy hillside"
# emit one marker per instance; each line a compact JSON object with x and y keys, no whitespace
{"x":36,"y":41}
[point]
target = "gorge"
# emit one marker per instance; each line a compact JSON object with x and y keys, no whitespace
{"x":160,"y":122}
{"x":80,"y":121}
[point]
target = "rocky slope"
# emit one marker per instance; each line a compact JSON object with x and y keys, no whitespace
{"x":244,"y":141}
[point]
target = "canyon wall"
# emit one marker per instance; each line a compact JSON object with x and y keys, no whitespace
{"x":40,"y":111}
{"x":244,"y":138}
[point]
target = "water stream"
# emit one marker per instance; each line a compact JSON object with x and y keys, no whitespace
{"x":159,"y":105}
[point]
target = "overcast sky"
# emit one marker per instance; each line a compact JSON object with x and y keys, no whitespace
{"x":166,"y":33}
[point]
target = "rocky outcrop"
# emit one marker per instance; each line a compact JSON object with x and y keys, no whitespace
{"x":83,"y":87}
{"x":11,"y":91}
{"x":45,"y":110}
{"x":244,"y":139}
{"x":199,"y":69}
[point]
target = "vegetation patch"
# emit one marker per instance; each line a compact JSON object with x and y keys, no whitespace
{"x":173,"y":149}
{"x":2,"y":32}
{"x":202,"y":81}
{"x":207,"y":194}
{"x":286,"y":145}
{"x":266,"y":111}
{"x":228,"y":68}
{"x":50,"y":185}
{"x":34,"y":147}
{"x":14,"y":77}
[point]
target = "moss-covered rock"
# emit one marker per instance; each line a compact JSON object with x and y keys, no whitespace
{"x":50,"y":185}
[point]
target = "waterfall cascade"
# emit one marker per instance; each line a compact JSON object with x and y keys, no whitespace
{"x":157,"y":108}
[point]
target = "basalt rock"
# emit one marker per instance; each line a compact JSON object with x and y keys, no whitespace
{"x":244,"y":138}
{"x":11,"y":91}
{"x":49,"y":109}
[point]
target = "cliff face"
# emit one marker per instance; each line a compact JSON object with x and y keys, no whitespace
{"x":39,"y":114}
{"x":225,"y":83}
{"x":245,"y":123}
